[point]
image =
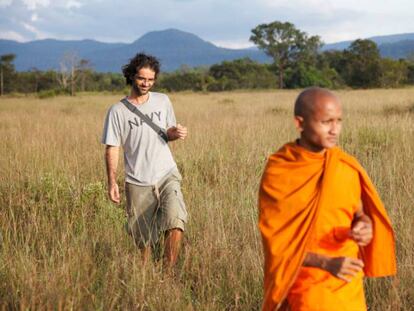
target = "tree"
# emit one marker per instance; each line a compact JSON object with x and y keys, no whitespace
{"x":333,"y":59}
{"x":362,"y":62}
{"x":48,"y":81}
{"x":301,"y":77}
{"x":394,"y":73}
{"x":66,"y":63}
{"x":35,"y":77}
{"x":241,"y":74}
{"x":410,"y":68}
{"x":71,"y":69}
{"x":286,"y":45}
{"x":6,"y":70}
{"x":180,"y":81}
{"x":84,"y":68}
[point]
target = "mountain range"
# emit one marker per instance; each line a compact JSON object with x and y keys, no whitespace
{"x":173,"y":47}
{"x":389,"y":41}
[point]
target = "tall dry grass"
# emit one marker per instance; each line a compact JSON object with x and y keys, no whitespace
{"x":63,"y":245}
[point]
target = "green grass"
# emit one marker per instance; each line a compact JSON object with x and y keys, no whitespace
{"x":63,"y":244}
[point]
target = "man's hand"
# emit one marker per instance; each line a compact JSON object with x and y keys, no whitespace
{"x":344,"y":268}
{"x":113,"y":192}
{"x":361,"y":231}
{"x":177,"y":132}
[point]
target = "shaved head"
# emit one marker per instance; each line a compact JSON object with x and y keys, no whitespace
{"x":318,"y":117}
{"x":309,"y":99}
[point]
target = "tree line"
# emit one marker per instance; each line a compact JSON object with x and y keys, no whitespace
{"x":297,"y":62}
{"x":74,"y":75}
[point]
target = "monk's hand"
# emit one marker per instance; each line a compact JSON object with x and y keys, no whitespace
{"x":361,"y":231}
{"x":177,"y":132}
{"x":344,"y":268}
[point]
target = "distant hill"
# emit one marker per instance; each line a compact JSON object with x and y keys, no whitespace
{"x":46,"y":54}
{"x":173,"y":47}
{"x":397,"y":50}
{"x":392,"y":46}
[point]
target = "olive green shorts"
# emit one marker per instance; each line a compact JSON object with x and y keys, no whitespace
{"x":153,"y":210}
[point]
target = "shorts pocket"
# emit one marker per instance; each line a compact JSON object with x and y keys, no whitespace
{"x":182,"y":211}
{"x":172,"y":201}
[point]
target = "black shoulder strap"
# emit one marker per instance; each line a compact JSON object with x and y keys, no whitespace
{"x":146,"y":119}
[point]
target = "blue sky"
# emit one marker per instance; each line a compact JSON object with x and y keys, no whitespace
{"x":226,"y":23}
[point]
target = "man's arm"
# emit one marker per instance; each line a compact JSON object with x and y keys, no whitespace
{"x":344,"y":268}
{"x":111,"y":160}
{"x":176,"y":132}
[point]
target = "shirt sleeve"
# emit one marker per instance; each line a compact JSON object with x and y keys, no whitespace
{"x":171,"y":121}
{"x":112,"y":130}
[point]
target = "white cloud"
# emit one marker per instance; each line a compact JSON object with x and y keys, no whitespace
{"x":33,"y":4}
{"x":73,"y":4}
{"x":12,"y":35}
{"x":5,"y":3}
{"x":38,"y":34}
{"x":233,"y":44}
{"x":315,"y":6}
{"x":226,"y":23}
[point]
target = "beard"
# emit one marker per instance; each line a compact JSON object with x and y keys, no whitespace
{"x":139,"y":90}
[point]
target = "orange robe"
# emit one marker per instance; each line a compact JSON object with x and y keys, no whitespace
{"x":306,"y":204}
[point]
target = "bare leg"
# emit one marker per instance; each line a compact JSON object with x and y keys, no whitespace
{"x":146,"y":254}
{"x":172,"y":245}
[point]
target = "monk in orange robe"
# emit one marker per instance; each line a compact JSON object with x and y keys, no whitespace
{"x":322,"y":222}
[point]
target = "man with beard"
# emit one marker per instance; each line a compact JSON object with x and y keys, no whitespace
{"x":155,"y":207}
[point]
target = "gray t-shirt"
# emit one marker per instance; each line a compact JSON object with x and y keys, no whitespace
{"x":147,"y":156}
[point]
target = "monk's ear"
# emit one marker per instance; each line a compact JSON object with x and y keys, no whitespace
{"x":298,"y":123}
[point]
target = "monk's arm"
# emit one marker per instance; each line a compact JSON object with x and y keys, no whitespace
{"x":343,"y":268}
{"x":361,"y":231}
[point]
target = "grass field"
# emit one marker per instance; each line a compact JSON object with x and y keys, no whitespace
{"x":63,"y":244}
